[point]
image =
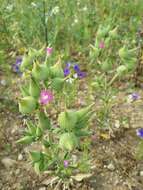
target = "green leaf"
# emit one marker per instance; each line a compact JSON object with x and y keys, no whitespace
{"x":24,"y":91}
{"x":44,"y":121}
{"x":26,"y":140}
{"x":35,"y":156}
{"x":37,"y":167}
{"x":139,"y":151}
{"x":34,"y":89}
{"x":31,"y":128}
{"x":39,"y":132}
{"x":81,"y":133}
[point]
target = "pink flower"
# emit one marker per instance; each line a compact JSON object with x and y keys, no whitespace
{"x":66,"y":163}
{"x":101,"y":45}
{"x":46,"y":96}
{"x":49,"y":50}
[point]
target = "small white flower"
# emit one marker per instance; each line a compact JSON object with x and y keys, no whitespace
{"x":70,"y":80}
{"x":33,"y":4}
{"x":3,"y":82}
{"x":76,"y":21}
{"x":84,"y":9}
{"x":75,"y":76}
{"x":9,"y":8}
{"x":55,"y":10}
{"x":129,"y":99}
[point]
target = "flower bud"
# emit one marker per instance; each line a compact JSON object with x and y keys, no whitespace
{"x":121,"y":70}
{"x":27,"y":105}
{"x":124,"y":53}
{"x":113,"y":33}
{"x":106,"y":66}
{"x":68,"y":141}
{"x":67,"y":119}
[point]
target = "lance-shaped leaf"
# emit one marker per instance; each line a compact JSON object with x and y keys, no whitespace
{"x":26,"y":63}
{"x":31,"y":128}
{"x":84,"y":112}
{"x":35,"y":156}
{"x":39,"y":132}
{"x":26,"y":140}
{"x":24,"y":90}
{"x":44,"y":121}
{"x":139,"y":151}
{"x":34,"y":89}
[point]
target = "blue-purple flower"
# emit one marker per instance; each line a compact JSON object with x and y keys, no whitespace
{"x":78,"y":73}
{"x":140,"y":132}
{"x":81,"y":74}
{"x":66,"y":71}
{"x":68,"y":64}
{"x":76,"y":68}
{"x":16,"y":66}
{"x":135,"y":96}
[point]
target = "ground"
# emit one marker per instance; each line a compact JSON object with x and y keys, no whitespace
{"x":114,"y":162}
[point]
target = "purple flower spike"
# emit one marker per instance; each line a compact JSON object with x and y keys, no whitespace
{"x":81,"y":74}
{"x":140,"y":132}
{"x":66,"y":163}
{"x":76,"y":68}
{"x":46,"y":97}
{"x":66,"y":71}
{"x":135,"y":96}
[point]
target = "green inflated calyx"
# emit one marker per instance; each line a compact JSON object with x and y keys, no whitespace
{"x":27,"y":105}
{"x":67,"y":119}
{"x":83,"y":116}
{"x":57,"y":84}
{"x":125,"y":53}
{"x":26,"y":63}
{"x":68,"y":141}
{"x":56,"y":70}
{"x":44,"y":121}
{"x":24,"y":90}
{"x":40,"y":71}
{"x":34,"y":89}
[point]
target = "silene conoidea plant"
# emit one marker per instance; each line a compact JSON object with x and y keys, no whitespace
{"x":62,"y":148}
{"x":112,"y":61}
